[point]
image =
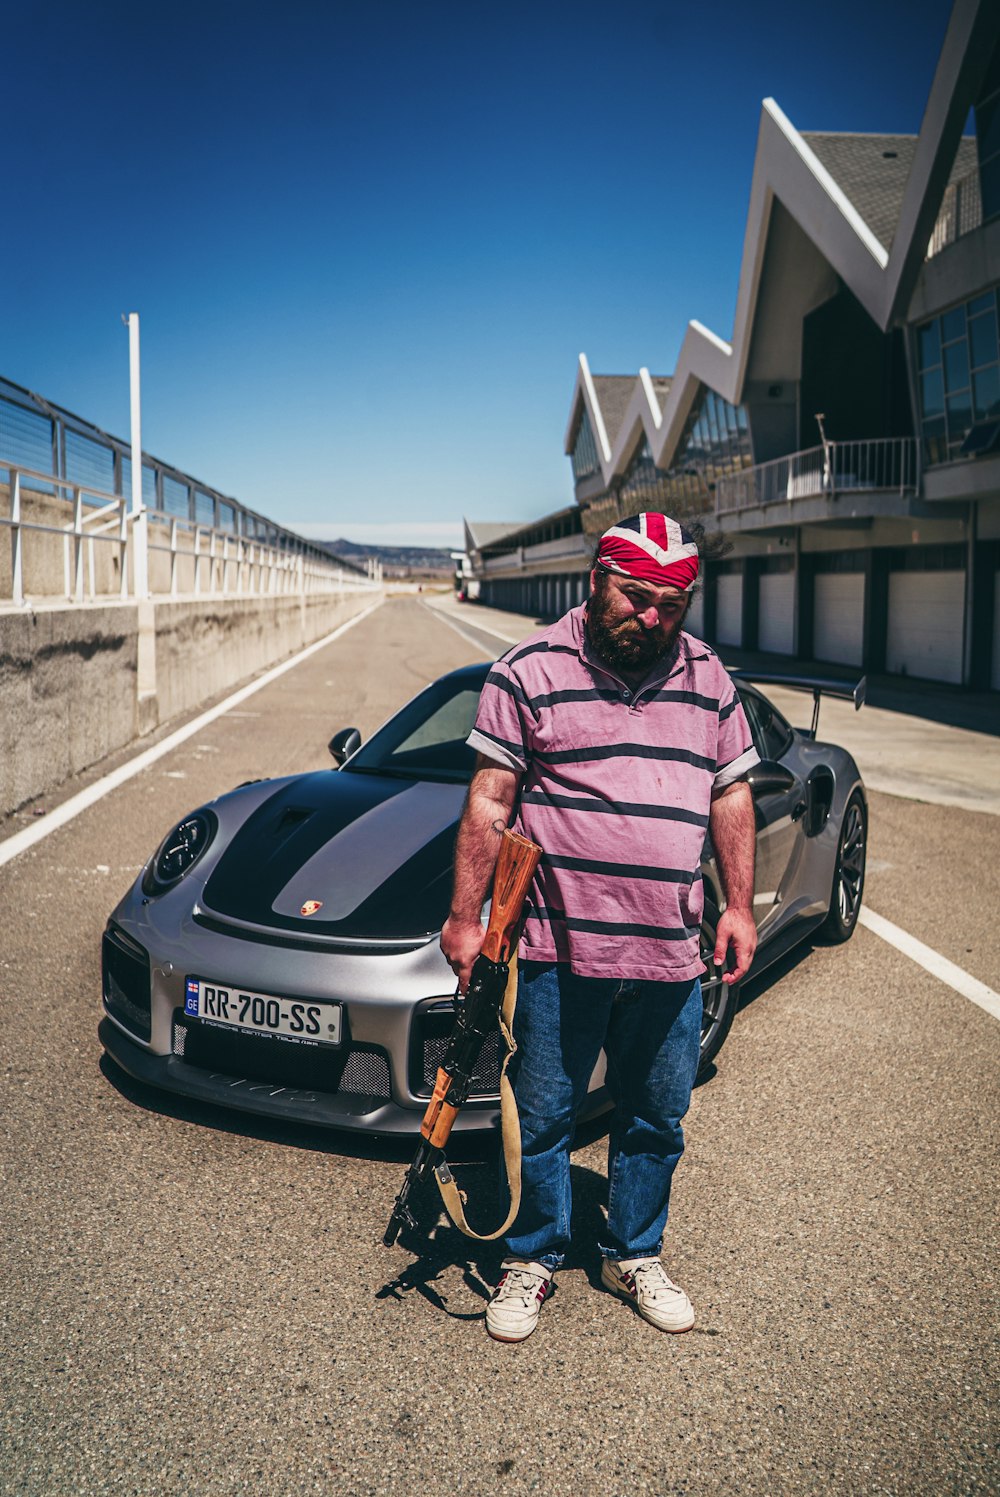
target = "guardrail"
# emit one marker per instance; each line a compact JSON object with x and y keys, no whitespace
{"x":886,"y":464}
{"x":90,"y":554}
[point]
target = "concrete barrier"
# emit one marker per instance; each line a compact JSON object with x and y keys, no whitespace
{"x":80,"y":682}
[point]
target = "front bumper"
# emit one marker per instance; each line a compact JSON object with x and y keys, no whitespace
{"x":352,"y":1112}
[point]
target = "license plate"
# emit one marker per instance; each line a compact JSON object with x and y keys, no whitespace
{"x":262,"y":1013}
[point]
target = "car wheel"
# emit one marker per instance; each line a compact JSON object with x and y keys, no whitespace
{"x":849,"y":874}
{"x":720,"y":1000}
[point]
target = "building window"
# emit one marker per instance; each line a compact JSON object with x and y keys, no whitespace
{"x":988,"y":139}
{"x":584,"y":450}
{"x":958,"y":362}
{"x":715,"y":442}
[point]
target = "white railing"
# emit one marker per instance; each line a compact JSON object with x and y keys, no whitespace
{"x":961,"y":211}
{"x":885,"y":464}
{"x":90,"y":551}
{"x":564,"y":548}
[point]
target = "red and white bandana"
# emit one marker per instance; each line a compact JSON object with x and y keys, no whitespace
{"x":652,"y":548}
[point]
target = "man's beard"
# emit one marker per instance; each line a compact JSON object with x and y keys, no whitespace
{"x":623,"y":643}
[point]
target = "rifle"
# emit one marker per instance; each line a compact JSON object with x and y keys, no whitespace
{"x":477,"y":1016}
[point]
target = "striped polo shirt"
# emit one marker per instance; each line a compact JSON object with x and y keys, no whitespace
{"x":616,"y":790}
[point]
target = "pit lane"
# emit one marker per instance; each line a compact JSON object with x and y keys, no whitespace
{"x":194,"y":1300}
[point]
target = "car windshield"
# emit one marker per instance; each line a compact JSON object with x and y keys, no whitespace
{"x":426,"y":740}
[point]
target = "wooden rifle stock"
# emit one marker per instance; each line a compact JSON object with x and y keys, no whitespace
{"x":477,"y":1015}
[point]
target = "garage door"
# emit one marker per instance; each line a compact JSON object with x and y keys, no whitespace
{"x":729,"y":609}
{"x":839,"y":617}
{"x":926,"y":615}
{"x":776,"y":627}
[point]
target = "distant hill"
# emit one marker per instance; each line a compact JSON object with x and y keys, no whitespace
{"x":395,"y":559}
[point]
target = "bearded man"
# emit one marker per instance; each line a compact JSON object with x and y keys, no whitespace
{"x":620,"y":741}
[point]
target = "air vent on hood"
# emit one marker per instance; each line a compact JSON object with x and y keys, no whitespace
{"x":290,"y":818}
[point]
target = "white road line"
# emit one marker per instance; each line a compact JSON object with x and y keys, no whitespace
{"x":21,"y":841}
{"x":439,"y":613}
{"x":932,"y":961}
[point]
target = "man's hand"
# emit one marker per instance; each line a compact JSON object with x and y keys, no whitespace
{"x":737,"y":929}
{"x":461,"y":942}
{"x":734,"y":837}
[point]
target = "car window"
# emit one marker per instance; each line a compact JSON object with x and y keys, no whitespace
{"x":771,"y":733}
{"x":427,"y":738}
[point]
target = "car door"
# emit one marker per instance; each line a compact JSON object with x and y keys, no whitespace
{"x":779,"y":802}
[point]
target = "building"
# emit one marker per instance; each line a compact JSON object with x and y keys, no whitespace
{"x":846,"y":439}
{"x":540,"y":568}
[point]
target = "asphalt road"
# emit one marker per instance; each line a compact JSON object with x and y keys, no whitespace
{"x":196,"y":1302}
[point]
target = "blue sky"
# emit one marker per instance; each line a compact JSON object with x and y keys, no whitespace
{"x":367,"y":243}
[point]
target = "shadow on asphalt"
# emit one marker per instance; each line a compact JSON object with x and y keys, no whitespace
{"x":446,"y":1249}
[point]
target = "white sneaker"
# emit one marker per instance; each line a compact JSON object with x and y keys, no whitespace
{"x":644,"y":1283}
{"x":514,"y":1306}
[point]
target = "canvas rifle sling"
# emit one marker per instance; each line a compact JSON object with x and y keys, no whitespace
{"x":510,"y":1131}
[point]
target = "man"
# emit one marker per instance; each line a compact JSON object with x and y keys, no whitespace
{"x":620,"y":741}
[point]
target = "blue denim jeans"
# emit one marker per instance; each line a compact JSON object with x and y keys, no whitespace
{"x":651,"y":1033}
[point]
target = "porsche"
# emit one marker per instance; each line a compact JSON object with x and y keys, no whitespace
{"x":279,"y":951}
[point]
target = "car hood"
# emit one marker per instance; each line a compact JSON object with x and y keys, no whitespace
{"x":342,"y":855}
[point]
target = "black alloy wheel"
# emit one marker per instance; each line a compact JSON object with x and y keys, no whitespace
{"x":849,"y":874}
{"x":720,"y":999}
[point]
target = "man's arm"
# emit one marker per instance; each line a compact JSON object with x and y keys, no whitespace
{"x":734,"y":837}
{"x":490,"y":801}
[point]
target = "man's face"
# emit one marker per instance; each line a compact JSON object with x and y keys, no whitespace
{"x":633,"y":625}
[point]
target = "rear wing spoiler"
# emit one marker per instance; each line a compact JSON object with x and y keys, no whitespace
{"x":820,"y":686}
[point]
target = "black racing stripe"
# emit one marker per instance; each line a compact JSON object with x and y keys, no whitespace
{"x":728,"y":709}
{"x":583,"y":694}
{"x":625,"y":751}
{"x":539,"y":797}
{"x":620,"y":870}
{"x":542,"y":646}
{"x":612,"y":927}
{"x":504,"y":683}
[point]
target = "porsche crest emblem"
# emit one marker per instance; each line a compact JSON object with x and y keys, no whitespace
{"x":311,"y":906}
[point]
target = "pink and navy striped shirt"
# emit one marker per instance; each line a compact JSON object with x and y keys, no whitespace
{"x":616,"y":789}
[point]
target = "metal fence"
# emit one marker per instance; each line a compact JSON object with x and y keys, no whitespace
{"x":36,"y":434}
{"x":67,"y":486}
{"x":888,"y":464}
{"x":80,"y":543}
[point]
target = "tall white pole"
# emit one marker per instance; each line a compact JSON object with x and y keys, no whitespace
{"x":140,"y":541}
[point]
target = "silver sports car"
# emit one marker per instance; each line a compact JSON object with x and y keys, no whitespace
{"x":279,"y":952}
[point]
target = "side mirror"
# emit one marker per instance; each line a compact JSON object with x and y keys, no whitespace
{"x":344,"y":744}
{"x":769,"y":777}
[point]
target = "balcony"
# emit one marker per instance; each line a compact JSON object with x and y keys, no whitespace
{"x":839,"y":470}
{"x":563,"y":553}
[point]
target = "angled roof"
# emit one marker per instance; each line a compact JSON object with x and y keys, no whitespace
{"x":872,"y":172}
{"x":613,"y":392}
{"x":879,"y":261}
{"x":480,"y":533}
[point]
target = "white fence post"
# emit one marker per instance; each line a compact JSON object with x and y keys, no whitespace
{"x":17,"y":564}
{"x":123,"y":548}
{"x":77,"y":543}
{"x":140,"y":533}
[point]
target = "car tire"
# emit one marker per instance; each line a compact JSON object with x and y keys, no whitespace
{"x":849,"y":874}
{"x":720,"y":1000}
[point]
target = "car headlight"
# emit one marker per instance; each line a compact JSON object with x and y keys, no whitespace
{"x":179,"y":851}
